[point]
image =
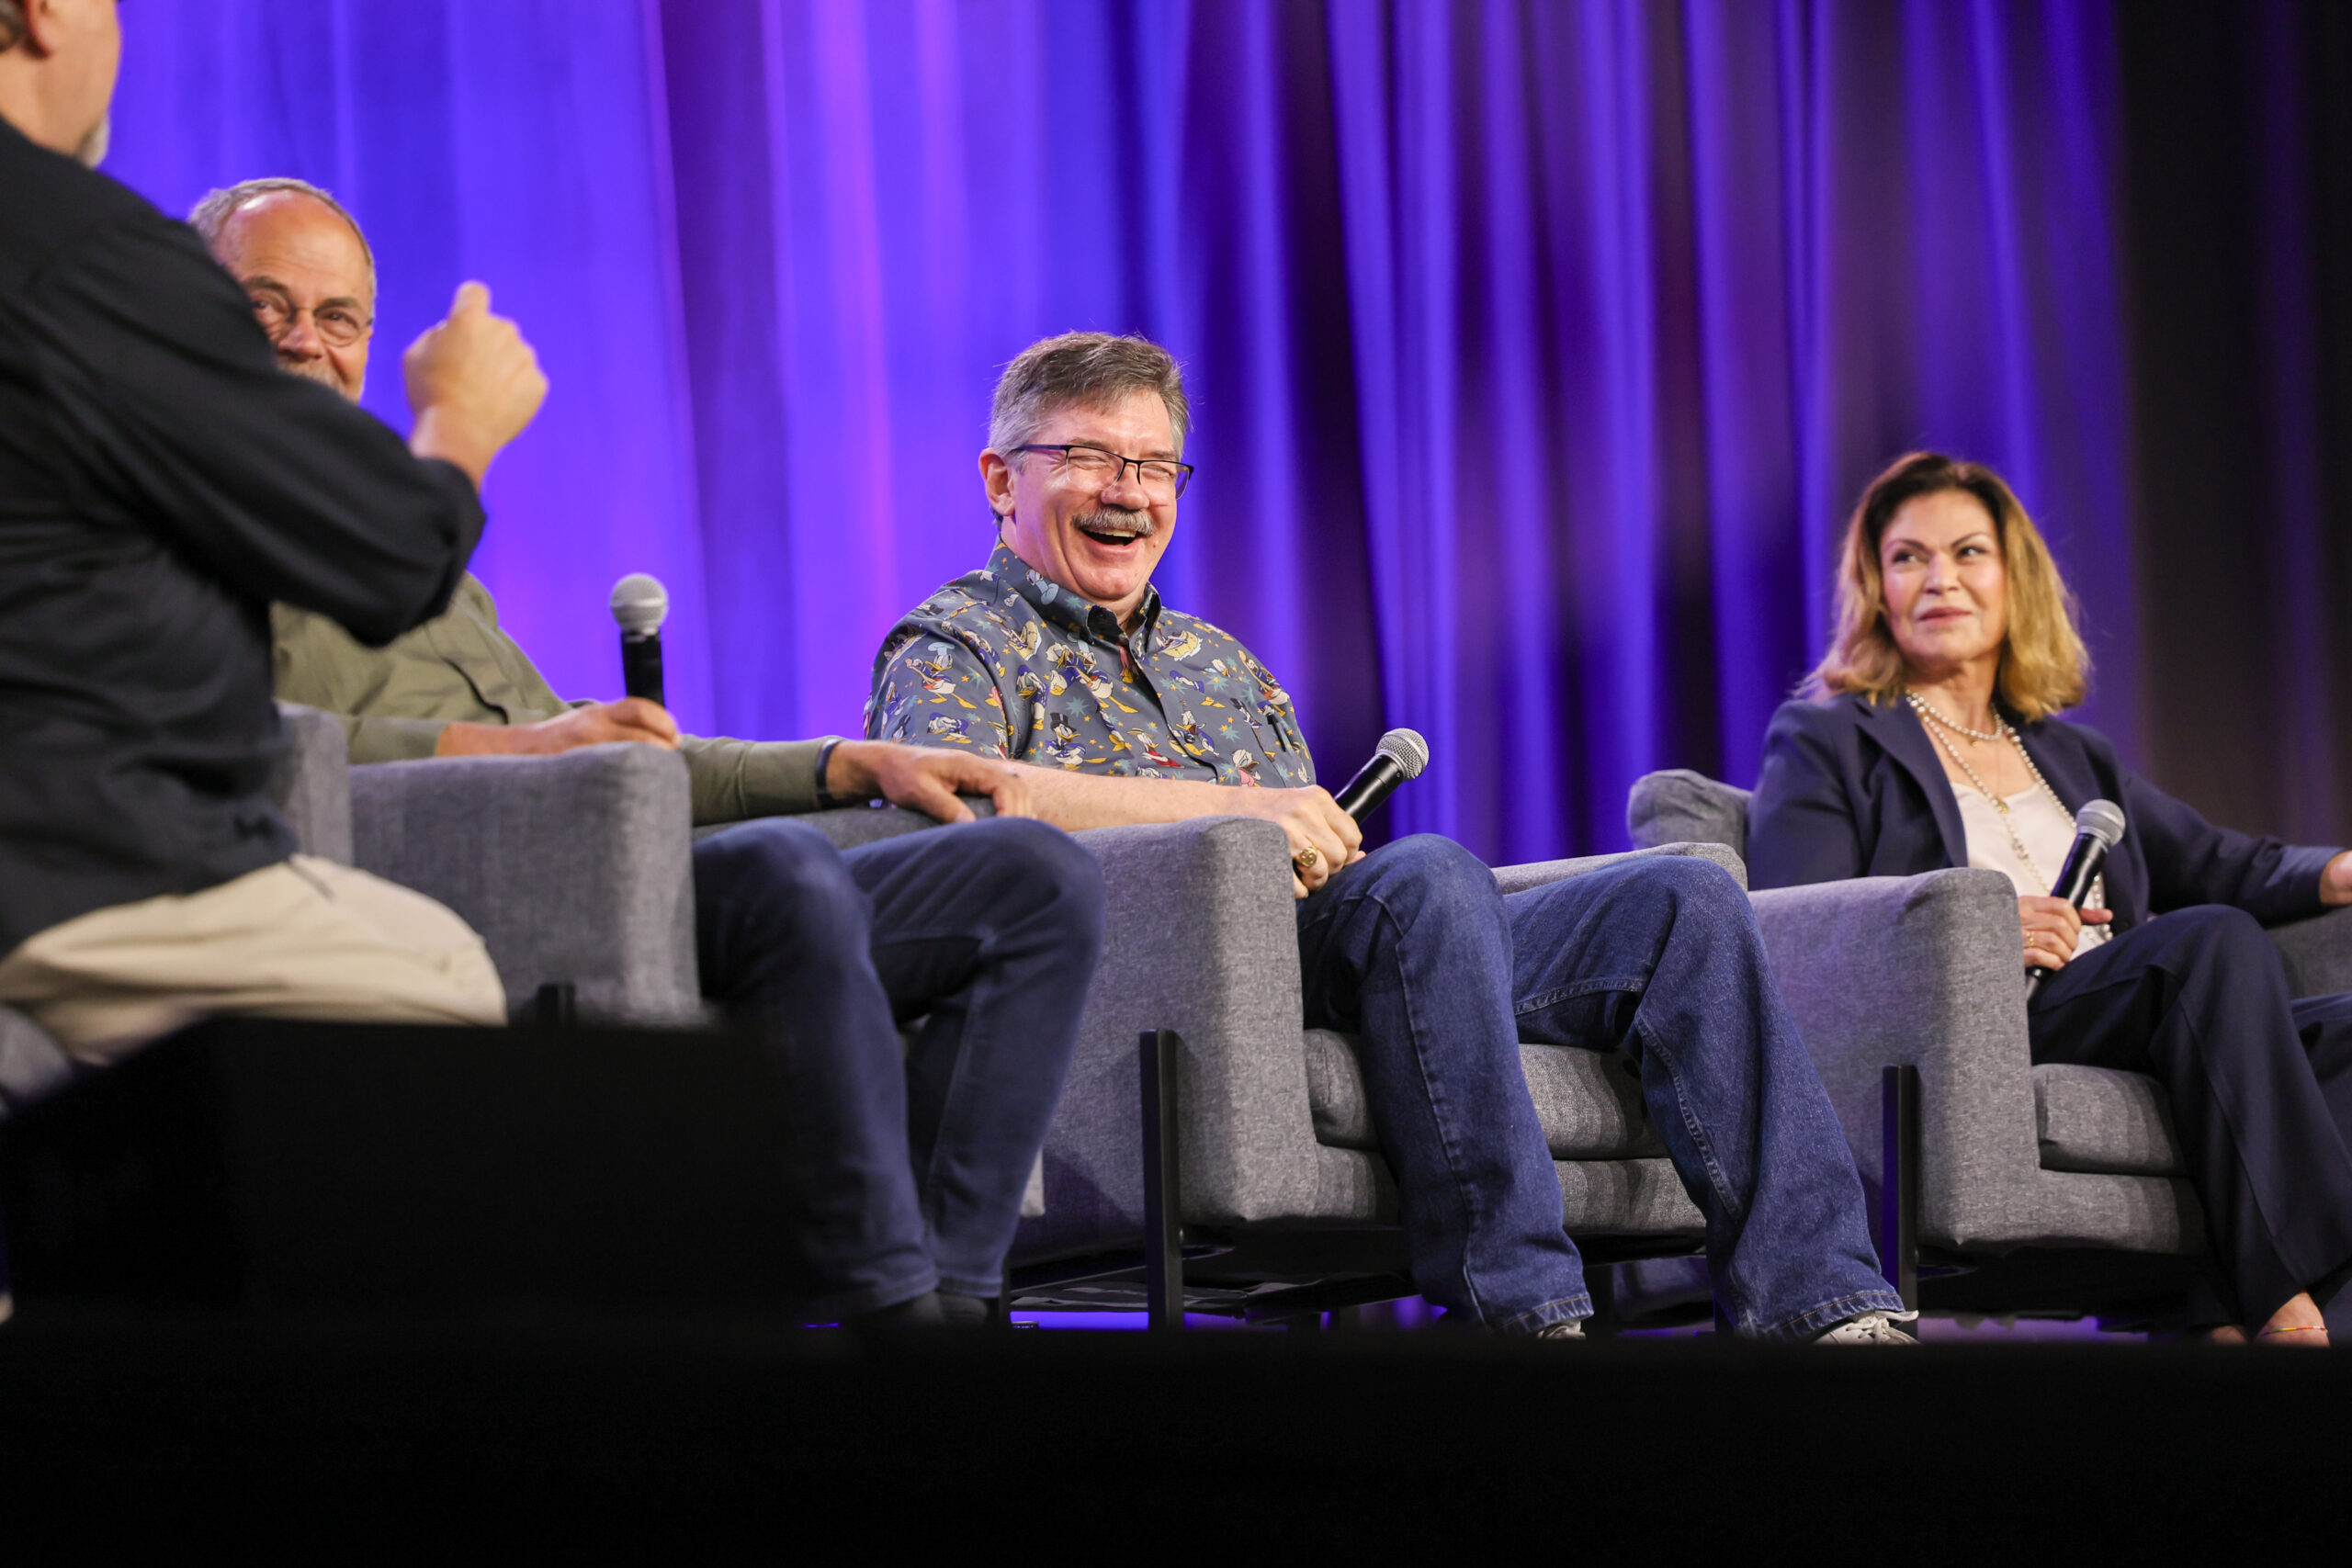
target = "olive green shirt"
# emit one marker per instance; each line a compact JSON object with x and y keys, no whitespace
{"x":396,"y":700}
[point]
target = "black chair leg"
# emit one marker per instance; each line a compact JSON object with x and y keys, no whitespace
{"x":1163,"y":1204}
{"x":557,"y":1005}
{"x":1898,"y":1230}
{"x":1602,"y":1284}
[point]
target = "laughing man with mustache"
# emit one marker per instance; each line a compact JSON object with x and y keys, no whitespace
{"x":1059,"y":652}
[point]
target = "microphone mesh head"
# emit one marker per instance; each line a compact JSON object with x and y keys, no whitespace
{"x":640,"y":604}
{"x":2103,"y":819}
{"x":1406,"y":750}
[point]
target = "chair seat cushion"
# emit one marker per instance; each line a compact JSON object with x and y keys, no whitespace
{"x":2103,"y":1120}
{"x":1590,"y":1102}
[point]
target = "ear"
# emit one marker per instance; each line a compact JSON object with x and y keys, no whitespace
{"x":44,"y":27}
{"x":996,"y":478}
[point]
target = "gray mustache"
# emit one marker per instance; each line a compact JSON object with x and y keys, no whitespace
{"x":1110,"y":520}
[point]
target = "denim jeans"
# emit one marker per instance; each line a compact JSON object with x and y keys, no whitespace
{"x":913,"y":1156}
{"x":1416,"y":951}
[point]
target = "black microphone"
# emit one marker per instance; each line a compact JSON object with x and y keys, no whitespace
{"x":1401,"y":755}
{"x":2098,"y":827}
{"x":640,"y":604}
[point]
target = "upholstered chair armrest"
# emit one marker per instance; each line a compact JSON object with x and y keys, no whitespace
{"x":869,"y":822}
{"x":574,"y":868}
{"x":2318,"y":953}
{"x":311,"y":782}
{"x":32,"y":1067}
{"x":1203,"y":939}
{"x":1519,"y":878}
{"x":1927,"y":971}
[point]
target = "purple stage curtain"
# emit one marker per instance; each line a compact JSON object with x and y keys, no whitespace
{"x":1538,"y":348}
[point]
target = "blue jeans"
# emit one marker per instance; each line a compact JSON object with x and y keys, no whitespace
{"x":913,"y":1157}
{"x":1440,"y":977}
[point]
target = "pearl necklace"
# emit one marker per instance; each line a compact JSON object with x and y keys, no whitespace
{"x":1919,"y":704}
{"x":1938,"y":723}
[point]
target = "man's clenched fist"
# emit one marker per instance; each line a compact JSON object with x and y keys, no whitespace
{"x":473,"y":384}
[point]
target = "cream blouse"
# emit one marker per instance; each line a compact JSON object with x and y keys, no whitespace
{"x":2047,"y":830}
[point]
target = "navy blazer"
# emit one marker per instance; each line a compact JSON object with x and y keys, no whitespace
{"x":1850,"y":789}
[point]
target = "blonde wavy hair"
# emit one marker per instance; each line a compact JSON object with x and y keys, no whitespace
{"x":2045,"y":666}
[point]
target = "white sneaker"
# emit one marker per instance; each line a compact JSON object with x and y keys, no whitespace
{"x":1870,"y":1329}
{"x":1571,"y":1329}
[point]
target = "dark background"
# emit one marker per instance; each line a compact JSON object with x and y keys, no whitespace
{"x":2239,"y":141}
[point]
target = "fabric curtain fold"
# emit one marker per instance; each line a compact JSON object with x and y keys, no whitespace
{"x":1538,"y":348}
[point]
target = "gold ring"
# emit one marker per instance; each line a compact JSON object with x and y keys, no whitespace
{"x":1306,"y":859}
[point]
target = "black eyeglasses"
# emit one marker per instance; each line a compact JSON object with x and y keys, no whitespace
{"x":1161,"y":476}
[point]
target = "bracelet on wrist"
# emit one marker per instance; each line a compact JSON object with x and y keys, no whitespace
{"x":825,"y":801}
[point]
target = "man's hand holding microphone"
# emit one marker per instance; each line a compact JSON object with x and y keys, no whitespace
{"x":1325,"y":831}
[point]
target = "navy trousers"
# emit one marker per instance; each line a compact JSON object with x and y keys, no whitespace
{"x":913,"y":1155}
{"x":2261,"y":1087}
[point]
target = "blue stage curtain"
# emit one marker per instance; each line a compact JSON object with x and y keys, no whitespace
{"x":1538,"y":348}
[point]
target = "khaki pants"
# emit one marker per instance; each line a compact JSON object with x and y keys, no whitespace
{"x":306,"y":938}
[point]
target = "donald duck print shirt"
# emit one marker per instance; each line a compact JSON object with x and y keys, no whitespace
{"x":1005,"y":662}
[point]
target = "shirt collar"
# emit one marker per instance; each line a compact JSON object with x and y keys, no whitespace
{"x":1062,"y":608}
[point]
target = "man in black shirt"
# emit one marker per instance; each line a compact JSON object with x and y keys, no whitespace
{"x":160,"y":483}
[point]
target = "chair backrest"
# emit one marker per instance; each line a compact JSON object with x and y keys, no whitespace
{"x":1678,"y":806}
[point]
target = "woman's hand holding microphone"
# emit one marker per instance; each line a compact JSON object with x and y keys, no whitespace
{"x":2052,"y":927}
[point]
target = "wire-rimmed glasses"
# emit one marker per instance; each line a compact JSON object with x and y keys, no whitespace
{"x":336,"y":324}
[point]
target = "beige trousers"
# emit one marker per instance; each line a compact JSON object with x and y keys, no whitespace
{"x":305,"y":938}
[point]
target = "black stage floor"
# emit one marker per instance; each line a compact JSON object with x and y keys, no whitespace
{"x":340,"y":1442}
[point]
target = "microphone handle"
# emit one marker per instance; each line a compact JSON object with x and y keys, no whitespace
{"x":2083,"y":862}
{"x":642,"y":666}
{"x":1372,"y":786}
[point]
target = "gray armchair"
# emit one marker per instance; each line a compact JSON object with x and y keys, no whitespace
{"x":1286,"y":1205}
{"x":573,"y":868}
{"x":2036,"y":1189}
{"x":311,"y":785}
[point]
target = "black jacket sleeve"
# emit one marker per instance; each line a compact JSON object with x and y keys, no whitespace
{"x":1800,"y":825}
{"x":273,"y":483}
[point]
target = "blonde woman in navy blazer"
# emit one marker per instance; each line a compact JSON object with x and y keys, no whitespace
{"x":1928,"y":737}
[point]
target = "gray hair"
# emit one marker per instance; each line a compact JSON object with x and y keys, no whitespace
{"x":12,"y":24}
{"x":211,"y":215}
{"x":1083,"y":370}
